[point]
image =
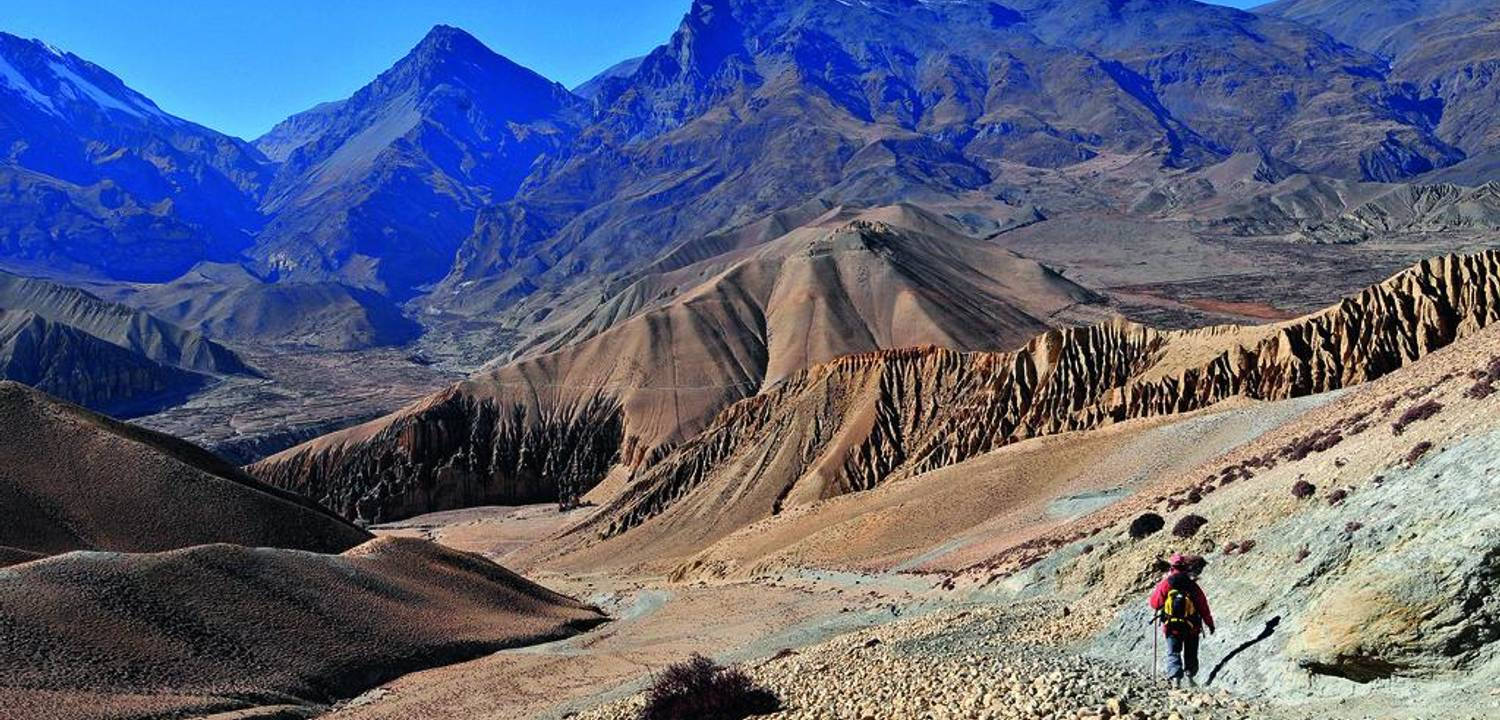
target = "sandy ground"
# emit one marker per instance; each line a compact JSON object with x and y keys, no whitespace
{"x":655,"y":625}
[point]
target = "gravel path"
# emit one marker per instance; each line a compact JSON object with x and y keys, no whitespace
{"x":964,"y":663}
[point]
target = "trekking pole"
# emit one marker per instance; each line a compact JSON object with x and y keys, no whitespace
{"x":1153,"y":647}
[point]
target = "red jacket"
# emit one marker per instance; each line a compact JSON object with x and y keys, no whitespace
{"x":1200,"y":601}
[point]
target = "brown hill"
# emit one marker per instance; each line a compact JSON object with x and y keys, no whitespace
{"x":655,"y":364}
{"x":218,"y":629}
{"x":227,"y":302}
{"x":73,"y":480}
{"x":862,"y":421}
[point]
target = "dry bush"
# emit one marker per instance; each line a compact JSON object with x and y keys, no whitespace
{"x":1416,"y":413}
{"x":1317,"y":442}
{"x":700,"y":689}
{"x":1147,"y":524}
{"x":1416,"y":453}
{"x":1302,"y":555}
{"x":1189,"y":525}
{"x":1239,"y":548}
{"x":1303,"y":489}
{"x":1337,"y":496}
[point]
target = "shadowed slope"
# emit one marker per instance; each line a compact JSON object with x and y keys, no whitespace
{"x":659,"y":360}
{"x":131,"y":329}
{"x":73,"y":480}
{"x":221,"y":628}
{"x":70,"y":363}
{"x":228,"y":302}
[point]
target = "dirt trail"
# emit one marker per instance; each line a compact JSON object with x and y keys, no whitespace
{"x":654,"y":625}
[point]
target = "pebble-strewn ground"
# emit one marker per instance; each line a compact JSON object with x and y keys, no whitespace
{"x":962,"y":664}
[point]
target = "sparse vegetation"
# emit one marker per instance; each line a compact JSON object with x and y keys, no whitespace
{"x":702,"y":689}
{"x":1337,"y":496}
{"x":1147,"y":524}
{"x":1484,"y":380}
{"x":1302,"y":555}
{"x":1239,"y":548}
{"x":1352,"y":527}
{"x":1189,"y":525}
{"x":1415,"y":414}
{"x":1416,"y":453}
{"x":1303,"y":489}
{"x":1320,"y":441}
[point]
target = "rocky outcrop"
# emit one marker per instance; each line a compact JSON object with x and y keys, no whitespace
{"x":1352,"y":553}
{"x":454,"y":451}
{"x":863,"y":420}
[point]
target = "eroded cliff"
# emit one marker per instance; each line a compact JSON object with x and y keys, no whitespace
{"x":454,"y":450}
{"x":863,"y":420}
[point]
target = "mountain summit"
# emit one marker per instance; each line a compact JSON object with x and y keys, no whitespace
{"x":382,"y":186}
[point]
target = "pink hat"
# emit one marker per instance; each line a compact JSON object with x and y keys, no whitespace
{"x":1179,"y":560}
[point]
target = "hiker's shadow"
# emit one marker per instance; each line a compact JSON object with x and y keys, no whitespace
{"x":1268,"y":631}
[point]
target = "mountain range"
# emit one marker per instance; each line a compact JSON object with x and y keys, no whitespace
{"x":480,"y":214}
{"x":474,"y":187}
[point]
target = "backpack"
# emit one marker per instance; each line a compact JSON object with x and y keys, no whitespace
{"x":1179,"y":614}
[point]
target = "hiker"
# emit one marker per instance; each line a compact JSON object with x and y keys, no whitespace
{"x":1182,"y":608}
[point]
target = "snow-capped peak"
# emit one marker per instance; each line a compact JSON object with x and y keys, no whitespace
{"x":52,"y":80}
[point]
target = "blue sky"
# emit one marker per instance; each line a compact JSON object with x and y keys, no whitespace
{"x":240,"y":66}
